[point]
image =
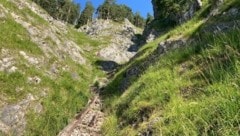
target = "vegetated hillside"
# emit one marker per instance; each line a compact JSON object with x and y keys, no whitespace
{"x":47,"y":67}
{"x":185,"y":82}
{"x":45,"y":71}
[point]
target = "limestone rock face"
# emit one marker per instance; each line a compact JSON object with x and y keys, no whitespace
{"x":120,"y":37}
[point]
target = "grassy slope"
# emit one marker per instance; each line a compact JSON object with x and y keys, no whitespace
{"x":189,"y":91}
{"x":65,"y":95}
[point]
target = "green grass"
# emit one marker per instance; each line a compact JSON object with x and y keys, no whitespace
{"x":67,"y":97}
{"x":188,"y":91}
{"x":16,"y":37}
{"x":203,"y":99}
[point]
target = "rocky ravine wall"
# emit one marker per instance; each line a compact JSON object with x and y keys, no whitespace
{"x":13,"y":116}
{"x":120,"y":37}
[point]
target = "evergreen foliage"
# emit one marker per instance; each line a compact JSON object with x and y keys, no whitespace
{"x":64,"y":10}
{"x":149,"y":19}
{"x":138,"y":20}
{"x":169,"y":8}
{"x":110,"y":10}
{"x":86,"y":15}
{"x":69,"y":12}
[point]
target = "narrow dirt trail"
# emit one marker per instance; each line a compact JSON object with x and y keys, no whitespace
{"x":87,"y":123}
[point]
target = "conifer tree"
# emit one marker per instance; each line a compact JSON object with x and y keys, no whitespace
{"x":149,"y":18}
{"x":138,"y":20}
{"x":86,"y":15}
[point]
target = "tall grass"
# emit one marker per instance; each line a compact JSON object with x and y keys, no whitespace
{"x":189,"y":91}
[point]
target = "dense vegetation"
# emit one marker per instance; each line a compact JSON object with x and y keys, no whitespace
{"x":110,"y":10}
{"x":169,"y":11}
{"x":86,"y":15}
{"x":69,"y":12}
{"x":64,"y":10}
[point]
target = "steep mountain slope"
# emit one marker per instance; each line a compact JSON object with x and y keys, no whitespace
{"x":48,"y":69}
{"x":185,"y":82}
{"x":42,"y":67}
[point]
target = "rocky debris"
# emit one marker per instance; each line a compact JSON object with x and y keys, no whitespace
{"x":4,"y":128}
{"x":88,"y":123}
{"x":31,"y":60}
{"x":97,"y":27}
{"x":7,"y":62}
{"x":12,"y":117}
{"x":7,"y":65}
{"x":34,"y":80}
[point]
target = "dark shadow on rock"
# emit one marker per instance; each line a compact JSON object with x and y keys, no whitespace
{"x":107,"y":66}
{"x":138,"y":41}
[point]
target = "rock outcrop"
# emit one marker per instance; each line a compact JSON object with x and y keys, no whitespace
{"x":121,"y":39}
{"x":12,"y":117}
{"x":185,"y":13}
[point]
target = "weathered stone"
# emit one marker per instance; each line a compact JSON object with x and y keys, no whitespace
{"x":31,"y":60}
{"x":34,"y":80}
{"x":233,"y":12}
{"x":12,"y":69}
{"x":6,"y":64}
{"x":12,"y":117}
{"x":122,"y":45}
{"x":38,"y":108}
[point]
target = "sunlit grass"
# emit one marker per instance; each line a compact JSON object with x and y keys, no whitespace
{"x":189,"y":91}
